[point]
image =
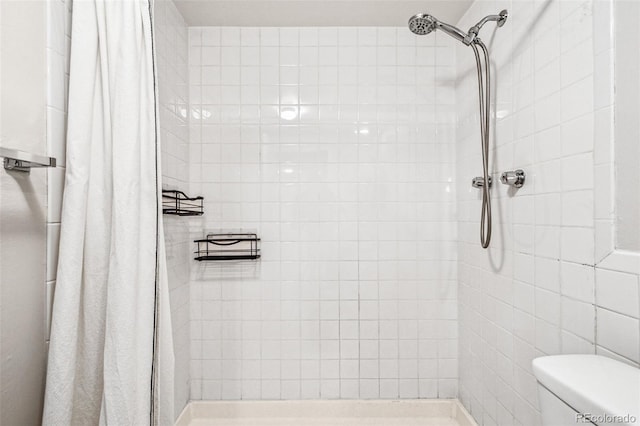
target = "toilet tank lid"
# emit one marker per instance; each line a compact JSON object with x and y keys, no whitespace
{"x":592,"y":384}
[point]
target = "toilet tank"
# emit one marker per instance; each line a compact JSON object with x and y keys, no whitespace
{"x":585,"y":389}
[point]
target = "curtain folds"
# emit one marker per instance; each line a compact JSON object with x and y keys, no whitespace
{"x":110,"y":355}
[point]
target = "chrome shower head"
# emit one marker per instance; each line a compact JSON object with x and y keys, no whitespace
{"x":422,"y":24}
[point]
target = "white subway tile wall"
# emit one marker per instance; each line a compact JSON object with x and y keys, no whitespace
{"x":539,"y":290}
{"x":58,"y":54}
{"x":171,"y":48}
{"x":337,"y":146}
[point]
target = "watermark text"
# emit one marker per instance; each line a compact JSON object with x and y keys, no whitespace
{"x":604,"y":418}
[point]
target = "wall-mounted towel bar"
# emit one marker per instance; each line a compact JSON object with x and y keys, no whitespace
{"x":23,"y":161}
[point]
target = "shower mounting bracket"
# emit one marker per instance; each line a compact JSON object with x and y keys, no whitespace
{"x":504,"y":14}
{"x":478,"y":182}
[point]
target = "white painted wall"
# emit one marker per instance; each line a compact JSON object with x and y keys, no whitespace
{"x":171,"y":48}
{"x":23,"y":209}
{"x":336,"y":145}
{"x":315,"y":13}
{"x":541,"y":288}
{"x":627,"y":126}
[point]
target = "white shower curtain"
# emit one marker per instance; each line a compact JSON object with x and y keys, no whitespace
{"x":111,"y":354}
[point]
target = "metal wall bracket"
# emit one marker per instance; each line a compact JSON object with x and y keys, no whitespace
{"x":478,"y":182}
{"x":21,"y":161}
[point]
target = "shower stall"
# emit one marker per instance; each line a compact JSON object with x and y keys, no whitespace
{"x":322,"y":179}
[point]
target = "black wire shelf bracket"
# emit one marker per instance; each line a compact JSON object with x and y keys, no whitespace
{"x":177,"y":203}
{"x":228,"y":246}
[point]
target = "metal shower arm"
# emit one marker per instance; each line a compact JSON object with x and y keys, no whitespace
{"x":500,"y":19}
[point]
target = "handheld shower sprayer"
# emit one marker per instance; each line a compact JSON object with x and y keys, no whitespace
{"x":422,"y":24}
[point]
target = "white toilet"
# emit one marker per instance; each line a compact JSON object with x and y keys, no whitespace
{"x":587,"y":389}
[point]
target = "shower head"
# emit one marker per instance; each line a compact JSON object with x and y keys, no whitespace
{"x":422,"y":24}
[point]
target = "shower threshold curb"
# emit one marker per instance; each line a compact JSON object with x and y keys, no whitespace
{"x":407,"y":412}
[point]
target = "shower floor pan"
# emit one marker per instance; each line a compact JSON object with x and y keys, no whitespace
{"x":423,"y":412}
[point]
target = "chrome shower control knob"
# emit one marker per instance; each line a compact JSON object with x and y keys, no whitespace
{"x":513,"y":178}
{"x":478,"y":182}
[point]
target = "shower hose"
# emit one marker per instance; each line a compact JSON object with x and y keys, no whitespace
{"x":484,"y":95}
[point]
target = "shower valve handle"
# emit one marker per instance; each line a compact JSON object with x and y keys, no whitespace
{"x":513,"y":178}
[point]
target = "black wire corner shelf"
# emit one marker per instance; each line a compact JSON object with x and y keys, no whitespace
{"x":178,"y":203}
{"x":228,"y":246}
